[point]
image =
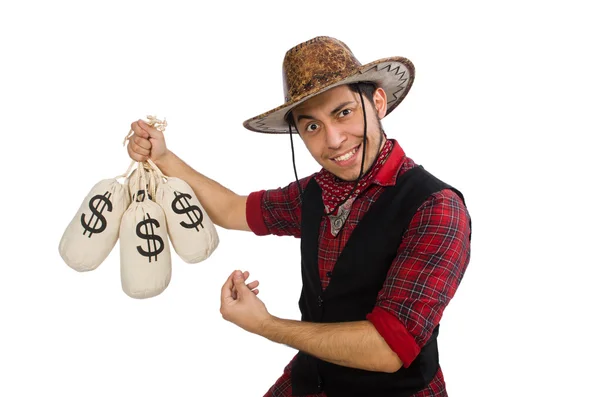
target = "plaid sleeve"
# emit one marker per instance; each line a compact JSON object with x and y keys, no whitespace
{"x":425,"y":275}
{"x":276,"y":211}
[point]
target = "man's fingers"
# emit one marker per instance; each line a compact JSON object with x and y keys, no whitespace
{"x":240,"y":283}
{"x":140,"y":150}
{"x":151,"y":131}
{"x":253,"y":284}
{"x":138,"y":130}
{"x":141,"y":142}
{"x":238,"y":278}
{"x":235,"y":286}
{"x":226,"y":290}
{"x":132,"y":147}
{"x":136,"y":156}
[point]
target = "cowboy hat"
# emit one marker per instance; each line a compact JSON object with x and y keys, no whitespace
{"x":319,"y":64}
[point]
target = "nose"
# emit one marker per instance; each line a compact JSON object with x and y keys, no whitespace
{"x":335,"y":136}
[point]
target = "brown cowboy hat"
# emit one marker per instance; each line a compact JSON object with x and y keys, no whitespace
{"x":319,"y":64}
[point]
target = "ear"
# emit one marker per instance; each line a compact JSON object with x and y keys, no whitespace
{"x":380,"y":101}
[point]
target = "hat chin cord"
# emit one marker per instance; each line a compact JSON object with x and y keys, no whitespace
{"x":294,"y":163}
{"x":362,"y":163}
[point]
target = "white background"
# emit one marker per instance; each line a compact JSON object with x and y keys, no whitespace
{"x":504,"y":107}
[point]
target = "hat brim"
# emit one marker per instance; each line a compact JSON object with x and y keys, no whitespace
{"x":395,"y":75}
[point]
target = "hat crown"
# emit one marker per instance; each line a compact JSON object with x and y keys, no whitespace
{"x":315,"y":64}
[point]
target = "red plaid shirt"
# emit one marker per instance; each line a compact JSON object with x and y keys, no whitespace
{"x":422,"y":279}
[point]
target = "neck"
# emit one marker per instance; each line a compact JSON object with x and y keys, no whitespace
{"x":382,"y":141}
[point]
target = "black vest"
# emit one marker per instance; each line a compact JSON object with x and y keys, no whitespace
{"x":357,"y":278}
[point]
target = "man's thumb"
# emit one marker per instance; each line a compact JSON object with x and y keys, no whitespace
{"x":239,"y":282}
{"x":152,"y":132}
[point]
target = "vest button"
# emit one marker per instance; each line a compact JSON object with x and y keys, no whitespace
{"x":319,"y":301}
{"x":328,"y":274}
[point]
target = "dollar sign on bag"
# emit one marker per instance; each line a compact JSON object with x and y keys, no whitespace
{"x":189,"y":210}
{"x":96,"y":214}
{"x":149,"y":237}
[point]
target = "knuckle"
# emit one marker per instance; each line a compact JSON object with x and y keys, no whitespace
{"x":139,"y":142}
{"x":140,"y":151}
{"x":134,"y":156}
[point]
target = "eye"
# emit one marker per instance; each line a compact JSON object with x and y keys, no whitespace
{"x":312,"y":127}
{"x":345,"y":112}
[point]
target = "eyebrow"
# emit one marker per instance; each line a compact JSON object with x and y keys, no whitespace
{"x":334,"y":111}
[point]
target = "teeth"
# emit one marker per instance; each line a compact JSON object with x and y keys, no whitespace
{"x":346,"y":156}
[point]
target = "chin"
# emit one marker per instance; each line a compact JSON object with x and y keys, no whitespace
{"x":348,"y":176}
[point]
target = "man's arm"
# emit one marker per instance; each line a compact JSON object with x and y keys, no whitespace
{"x":352,"y":344}
{"x":425,"y":274}
{"x":422,"y":280}
{"x":224,"y":207}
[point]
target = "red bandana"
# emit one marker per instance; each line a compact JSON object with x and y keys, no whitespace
{"x":335,"y":189}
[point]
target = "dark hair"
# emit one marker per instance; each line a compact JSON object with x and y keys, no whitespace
{"x":366,"y":87}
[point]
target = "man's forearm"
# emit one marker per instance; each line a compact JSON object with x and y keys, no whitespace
{"x":224,"y":207}
{"x":352,"y":344}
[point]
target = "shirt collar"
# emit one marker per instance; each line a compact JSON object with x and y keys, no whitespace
{"x":389,"y":171}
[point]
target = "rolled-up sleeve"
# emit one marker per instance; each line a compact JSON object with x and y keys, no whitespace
{"x":276,"y":211}
{"x":425,"y":274}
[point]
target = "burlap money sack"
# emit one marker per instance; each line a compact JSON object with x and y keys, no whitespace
{"x":94,"y":230}
{"x":192,"y":233}
{"x":144,"y":243}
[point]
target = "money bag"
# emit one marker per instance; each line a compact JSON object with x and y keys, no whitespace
{"x":192,"y":233}
{"x":94,"y":230}
{"x":144,"y":244}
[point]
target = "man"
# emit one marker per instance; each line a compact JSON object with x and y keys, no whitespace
{"x":384,"y":244}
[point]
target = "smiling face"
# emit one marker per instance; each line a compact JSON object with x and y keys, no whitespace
{"x":331,"y":126}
